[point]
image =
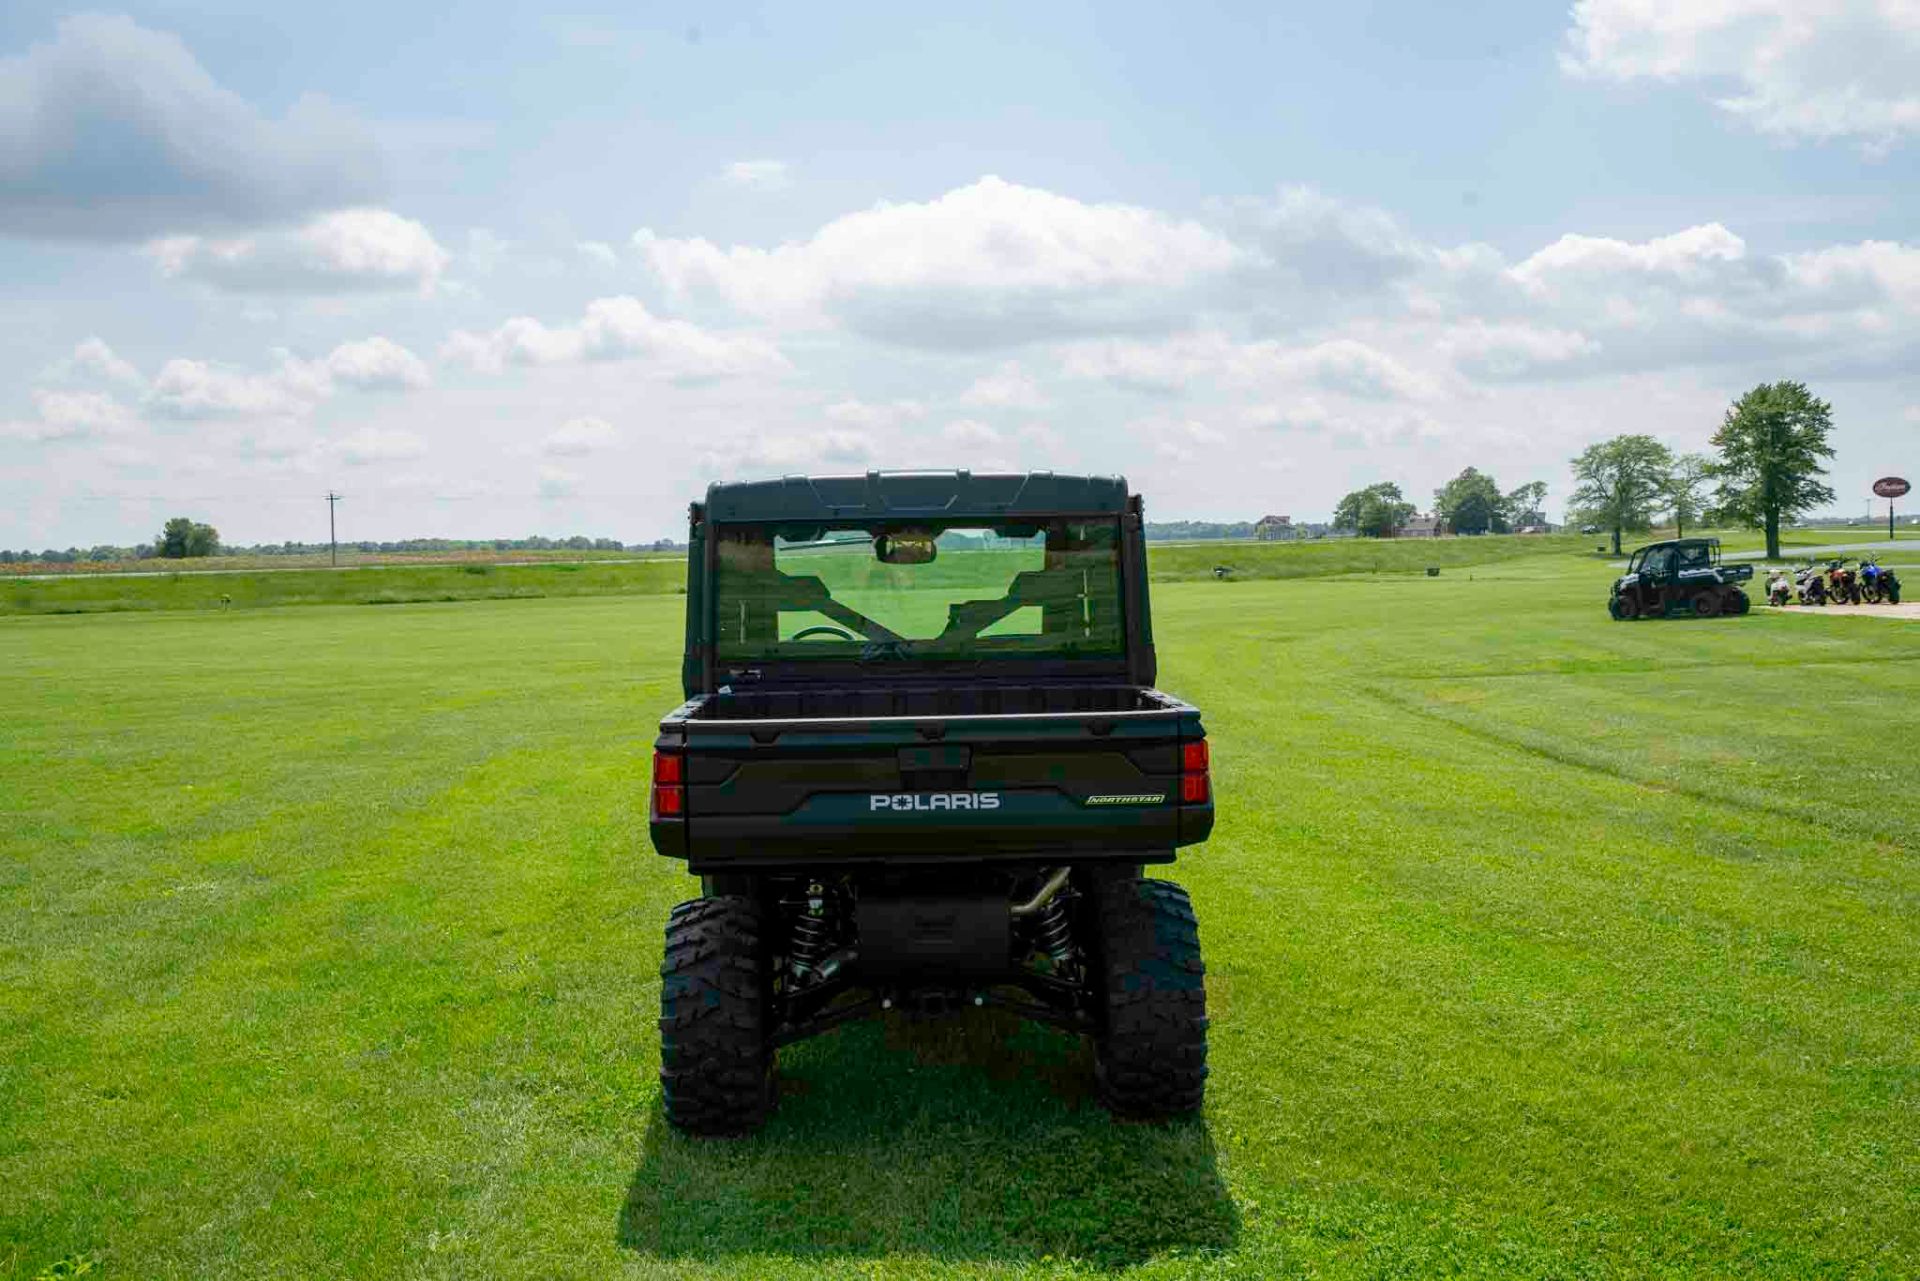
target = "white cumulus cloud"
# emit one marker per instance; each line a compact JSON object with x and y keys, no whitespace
{"x":1803,"y":69}
{"x":376,"y":364}
{"x":92,"y":358}
{"x":192,"y":389}
{"x":70,"y":415}
{"x":348,"y":250}
{"x":201,"y":389}
{"x":1688,"y":255}
{"x":986,"y":265}
{"x":619,"y":328}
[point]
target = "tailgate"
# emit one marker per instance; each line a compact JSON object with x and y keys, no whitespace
{"x":763,"y":793}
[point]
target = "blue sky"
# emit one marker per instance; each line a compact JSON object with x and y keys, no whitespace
{"x":504,"y":272}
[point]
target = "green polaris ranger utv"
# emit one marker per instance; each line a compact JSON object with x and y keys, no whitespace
{"x":1683,"y":575}
{"x":922,"y":766}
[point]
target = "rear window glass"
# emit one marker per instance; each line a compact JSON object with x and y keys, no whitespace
{"x":1043,"y":589}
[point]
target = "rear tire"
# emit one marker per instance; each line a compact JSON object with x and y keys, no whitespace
{"x":716,"y":1057}
{"x":1151,"y":1050}
{"x":1707,"y":605}
{"x":1737,"y":601}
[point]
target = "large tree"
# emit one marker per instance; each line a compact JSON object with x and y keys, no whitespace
{"x":1471,"y":503}
{"x":1620,"y":482}
{"x":1686,"y":490}
{"x":1375,"y":511}
{"x":182,"y":537}
{"x":1771,"y":443}
{"x":1527,"y":505}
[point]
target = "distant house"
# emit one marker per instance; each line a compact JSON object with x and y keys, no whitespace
{"x":1269,"y":528}
{"x":1427,"y":526}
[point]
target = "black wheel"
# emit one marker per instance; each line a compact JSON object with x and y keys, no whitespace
{"x":1737,"y":601}
{"x":1706,"y":605}
{"x":716,"y":1058}
{"x":1629,"y":609}
{"x":1151,"y":1050}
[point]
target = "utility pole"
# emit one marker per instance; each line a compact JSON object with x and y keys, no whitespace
{"x":333,"y":545}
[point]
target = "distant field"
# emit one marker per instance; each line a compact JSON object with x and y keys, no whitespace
{"x":1319,"y":559}
{"x":396,"y":584}
{"x":372,"y":585}
{"x":316,"y":560}
{"x":1539,"y":945}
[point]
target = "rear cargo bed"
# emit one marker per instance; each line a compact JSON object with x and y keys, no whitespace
{"x":839,"y":776}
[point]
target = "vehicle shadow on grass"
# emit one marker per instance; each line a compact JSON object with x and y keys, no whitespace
{"x":975,"y":1138}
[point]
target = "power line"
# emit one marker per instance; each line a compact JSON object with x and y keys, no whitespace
{"x":333,"y":544}
{"x":307,"y":498}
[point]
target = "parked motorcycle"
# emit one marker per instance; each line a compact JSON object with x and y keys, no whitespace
{"x":1878,"y":585}
{"x":1842,"y":583}
{"x":1779,"y":588}
{"x":1811,"y":584}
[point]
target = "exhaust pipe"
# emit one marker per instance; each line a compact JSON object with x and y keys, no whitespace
{"x":1054,"y":884}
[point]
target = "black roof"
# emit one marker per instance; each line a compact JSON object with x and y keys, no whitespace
{"x":1679,"y":542}
{"x":925,"y":494}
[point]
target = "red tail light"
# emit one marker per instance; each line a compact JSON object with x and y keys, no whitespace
{"x":669,"y":785}
{"x":1195,"y":783}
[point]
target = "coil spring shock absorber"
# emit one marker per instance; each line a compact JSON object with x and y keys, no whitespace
{"x":811,"y":935}
{"x":1053,"y":931}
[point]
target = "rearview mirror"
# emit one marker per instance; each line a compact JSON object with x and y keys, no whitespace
{"x":905,"y":547}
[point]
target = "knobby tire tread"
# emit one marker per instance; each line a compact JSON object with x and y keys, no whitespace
{"x":1151,"y":1054}
{"x":716,"y":1056}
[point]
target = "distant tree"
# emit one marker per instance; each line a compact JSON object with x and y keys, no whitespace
{"x":181,"y":538}
{"x":1471,"y":503}
{"x":172,"y":542}
{"x":1771,"y":443}
{"x":1527,"y":504}
{"x":1686,"y":490}
{"x":1375,"y":511}
{"x":1620,"y":482}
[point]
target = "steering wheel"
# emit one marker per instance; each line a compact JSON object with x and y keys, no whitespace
{"x":819,"y":630}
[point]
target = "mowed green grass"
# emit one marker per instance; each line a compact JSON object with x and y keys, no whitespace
{"x":1539,"y":945}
